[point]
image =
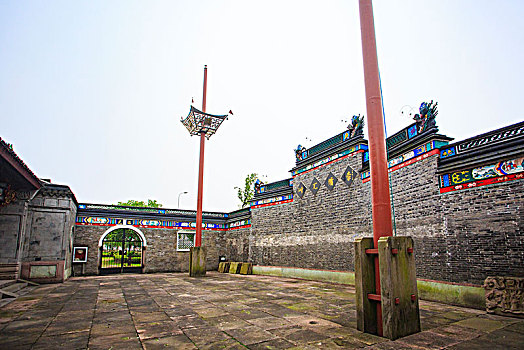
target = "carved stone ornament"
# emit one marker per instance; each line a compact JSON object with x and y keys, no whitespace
{"x":23,"y":195}
{"x":505,"y":296}
{"x":7,"y":196}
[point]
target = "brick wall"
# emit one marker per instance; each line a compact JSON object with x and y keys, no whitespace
{"x":459,"y":237}
{"x":316,"y":231}
{"x":160,"y":254}
{"x":483,"y":234}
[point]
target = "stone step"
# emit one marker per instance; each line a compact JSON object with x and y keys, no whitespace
{"x":7,"y":294}
{"x":8,"y":276}
{"x":6,"y":283}
{"x":15,"y":288}
{"x":31,"y":283}
{"x":8,"y":271}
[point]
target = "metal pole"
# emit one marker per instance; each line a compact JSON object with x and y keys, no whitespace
{"x":380,"y":195}
{"x":198,"y":238}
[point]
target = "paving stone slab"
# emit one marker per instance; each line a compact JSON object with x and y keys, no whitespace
{"x":429,"y":340}
{"x":250,"y":335}
{"x":226,"y":322}
{"x":482,"y":324}
{"x":205,"y":336}
{"x":458,"y":332}
{"x":157,"y":330}
{"x":115,"y":341}
{"x":110,"y":328}
{"x":516,"y":327}
{"x":70,"y":341}
{"x":153,"y":311}
{"x":269,"y":322}
{"x":277,"y":343}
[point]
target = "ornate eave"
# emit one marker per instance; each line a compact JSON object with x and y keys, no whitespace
{"x":198,"y":122}
{"x":277,"y":188}
{"x":483,"y":149}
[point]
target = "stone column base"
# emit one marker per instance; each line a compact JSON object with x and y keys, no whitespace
{"x":197,"y":262}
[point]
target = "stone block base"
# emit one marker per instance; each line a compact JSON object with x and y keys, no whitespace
{"x":43,"y":271}
{"x":234,"y":267}
{"x":223,"y":267}
{"x":197,"y":262}
{"x":246,"y":269}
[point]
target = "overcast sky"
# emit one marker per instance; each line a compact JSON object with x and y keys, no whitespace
{"x":92,"y":92}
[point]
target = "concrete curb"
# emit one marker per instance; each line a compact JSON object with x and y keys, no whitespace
{"x":447,"y":293}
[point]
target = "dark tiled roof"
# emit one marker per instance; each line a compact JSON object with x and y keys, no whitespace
{"x":8,"y":148}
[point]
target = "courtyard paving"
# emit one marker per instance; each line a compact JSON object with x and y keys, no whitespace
{"x":222,"y":311}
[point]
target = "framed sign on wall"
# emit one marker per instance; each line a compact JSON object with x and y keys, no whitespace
{"x":80,"y":254}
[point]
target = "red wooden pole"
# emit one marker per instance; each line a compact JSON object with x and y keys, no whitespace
{"x":380,"y":195}
{"x":198,"y":238}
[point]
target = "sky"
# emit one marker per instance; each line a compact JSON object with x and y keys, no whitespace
{"x":92,"y":92}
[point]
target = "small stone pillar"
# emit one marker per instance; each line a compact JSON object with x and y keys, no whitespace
{"x":398,"y":294}
{"x":197,"y":261}
{"x":234,"y":267}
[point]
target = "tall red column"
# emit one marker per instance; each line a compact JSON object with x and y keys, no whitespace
{"x":198,"y":237}
{"x":380,"y":195}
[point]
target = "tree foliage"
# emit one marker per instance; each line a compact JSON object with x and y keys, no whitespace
{"x":133,"y":203}
{"x":246,"y":194}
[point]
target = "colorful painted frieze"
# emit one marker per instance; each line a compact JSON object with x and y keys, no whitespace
{"x":324,"y":161}
{"x":272,"y":201}
{"x":149,"y":210}
{"x":144,"y":223}
{"x":411,"y":157}
{"x":500,"y":172}
{"x":239,"y":224}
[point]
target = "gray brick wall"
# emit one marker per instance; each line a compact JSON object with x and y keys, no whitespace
{"x":316,"y":231}
{"x":160,"y":254}
{"x":459,"y":237}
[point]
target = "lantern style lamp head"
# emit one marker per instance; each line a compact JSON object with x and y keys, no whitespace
{"x":198,"y":122}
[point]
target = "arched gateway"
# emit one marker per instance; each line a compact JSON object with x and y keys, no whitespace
{"x":122,"y":250}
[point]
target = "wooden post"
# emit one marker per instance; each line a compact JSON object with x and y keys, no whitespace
{"x":364,"y":285}
{"x":400,"y":309}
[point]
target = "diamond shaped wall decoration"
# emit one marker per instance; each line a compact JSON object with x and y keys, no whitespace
{"x":315,"y":186}
{"x":349,"y":175}
{"x":301,"y":190}
{"x":331,"y":181}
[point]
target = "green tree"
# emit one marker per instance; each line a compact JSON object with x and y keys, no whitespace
{"x":246,"y":194}
{"x":133,"y":203}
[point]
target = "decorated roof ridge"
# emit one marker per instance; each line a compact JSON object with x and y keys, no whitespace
{"x":239,"y":212}
{"x":94,"y":206}
{"x":497,"y":136}
{"x":49,"y":187}
{"x":418,"y":141}
{"x":9,"y":149}
{"x":424,"y":124}
{"x":273,"y":186}
{"x":303,"y":154}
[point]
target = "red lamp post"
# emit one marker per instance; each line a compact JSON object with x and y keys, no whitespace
{"x":204,"y":125}
{"x":380,"y":195}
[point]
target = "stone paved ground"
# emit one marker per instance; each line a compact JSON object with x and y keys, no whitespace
{"x":221,"y":311}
